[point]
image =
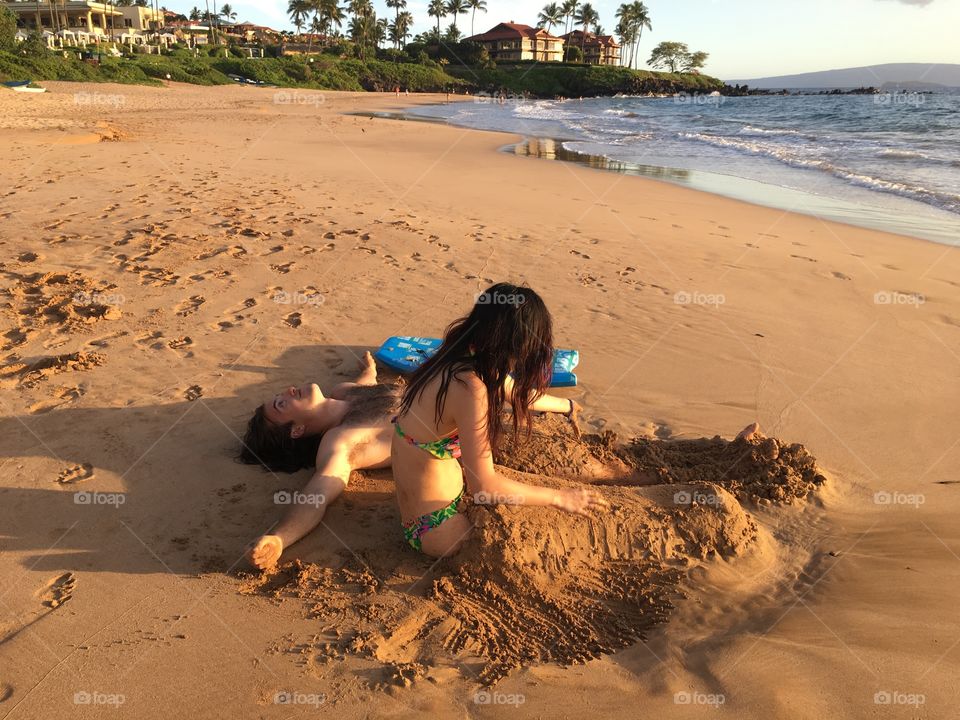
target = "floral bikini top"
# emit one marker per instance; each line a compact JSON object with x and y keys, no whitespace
{"x":446,"y":448}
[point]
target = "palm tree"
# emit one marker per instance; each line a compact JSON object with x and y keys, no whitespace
{"x":399,"y":29}
{"x":228,"y":13}
{"x":634,"y":17}
{"x":641,"y":20}
{"x":587,"y":17}
{"x":298,"y":10}
{"x":396,"y":5}
{"x":551,"y":15}
{"x":331,"y":15}
{"x":363,"y":24}
{"x":569,"y":9}
{"x":437,"y":9}
{"x":194,"y":14}
{"x":475,"y":5}
{"x":456,"y":7}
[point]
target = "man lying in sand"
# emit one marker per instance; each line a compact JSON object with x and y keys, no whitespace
{"x":348,"y":430}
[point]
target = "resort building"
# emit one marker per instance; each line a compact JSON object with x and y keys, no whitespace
{"x":597,"y":49}
{"x":251,"y":32}
{"x":512,"y":42}
{"x":83,"y":16}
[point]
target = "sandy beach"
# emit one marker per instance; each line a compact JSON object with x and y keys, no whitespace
{"x":172,"y":256}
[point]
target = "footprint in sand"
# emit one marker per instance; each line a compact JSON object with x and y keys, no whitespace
{"x":282,"y":269}
{"x":803,"y":257}
{"x":61,"y":396}
{"x":180,"y":343}
{"x":294,"y":319}
{"x":332,"y":359}
{"x":58,"y":590}
{"x":190,"y":306}
{"x":6,"y":692}
{"x":194,"y":392}
{"x":580,"y":254}
{"x":28,"y":257}
{"x":75,"y":474}
{"x":840,"y":275}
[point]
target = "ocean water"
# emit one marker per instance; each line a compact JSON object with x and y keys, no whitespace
{"x":889,"y":161}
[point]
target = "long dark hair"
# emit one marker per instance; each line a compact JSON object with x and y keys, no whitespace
{"x":270,"y":445}
{"x":509,"y":331}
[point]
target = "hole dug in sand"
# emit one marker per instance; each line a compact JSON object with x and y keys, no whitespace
{"x":535,"y":585}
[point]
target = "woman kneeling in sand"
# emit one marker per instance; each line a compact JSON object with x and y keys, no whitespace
{"x":451,"y":410}
{"x":348,"y":430}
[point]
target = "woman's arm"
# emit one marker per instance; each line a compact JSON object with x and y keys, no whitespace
{"x":468,"y":404}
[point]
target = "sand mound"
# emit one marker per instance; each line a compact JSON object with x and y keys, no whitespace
{"x":758,"y":468}
{"x":538,"y":586}
{"x":535,"y":585}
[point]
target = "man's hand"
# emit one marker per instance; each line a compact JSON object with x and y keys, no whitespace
{"x":265,"y":551}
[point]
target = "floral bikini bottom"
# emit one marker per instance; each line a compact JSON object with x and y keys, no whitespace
{"x":414,"y":530}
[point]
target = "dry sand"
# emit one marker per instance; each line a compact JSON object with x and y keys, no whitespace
{"x":147,"y":235}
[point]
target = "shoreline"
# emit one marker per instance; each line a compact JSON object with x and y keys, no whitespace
{"x":733,"y":187}
{"x":694,"y":314}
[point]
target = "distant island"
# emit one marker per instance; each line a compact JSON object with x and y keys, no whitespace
{"x":907,"y":76}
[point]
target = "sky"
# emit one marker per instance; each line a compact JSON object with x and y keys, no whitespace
{"x":745,"y":38}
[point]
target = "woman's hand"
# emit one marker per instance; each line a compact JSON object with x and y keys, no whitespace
{"x":265,"y":551}
{"x":579,"y":500}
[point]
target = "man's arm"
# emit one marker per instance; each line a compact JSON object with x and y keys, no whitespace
{"x":307,"y":507}
{"x":551,"y":404}
{"x":367,"y":376}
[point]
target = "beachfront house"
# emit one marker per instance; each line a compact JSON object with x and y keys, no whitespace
{"x":512,"y":42}
{"x":597,"y":49}
{"x":71,"y":17}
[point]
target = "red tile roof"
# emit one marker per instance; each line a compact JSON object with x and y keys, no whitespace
{"x":513,"y":31}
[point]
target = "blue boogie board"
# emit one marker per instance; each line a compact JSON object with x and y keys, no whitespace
{"x":405,"y":354}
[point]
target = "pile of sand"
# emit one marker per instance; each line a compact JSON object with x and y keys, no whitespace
{"x":535,"y":585}
{"x":756,"y":468}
